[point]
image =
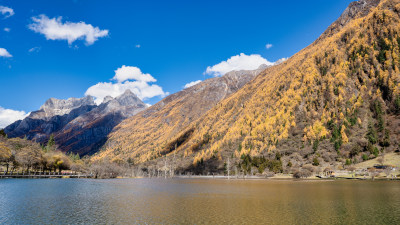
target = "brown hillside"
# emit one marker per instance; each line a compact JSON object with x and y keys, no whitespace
{"x":336,"y":101}
{"x":147,"y":135}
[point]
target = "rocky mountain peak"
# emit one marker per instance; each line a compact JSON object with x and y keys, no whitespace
{"x":78,"y":124}
{"x":128,"y":98}
{"x":262,"y":67}
{"x":354,"y":10}
{"x":361,"y":7}
{"x":244,"y":76}
{"x":128,"y":92}
{"x":107,"y":99}
{"x":57,"y":107}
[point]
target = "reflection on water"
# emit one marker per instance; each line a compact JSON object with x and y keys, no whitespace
{"x":198,"y":201}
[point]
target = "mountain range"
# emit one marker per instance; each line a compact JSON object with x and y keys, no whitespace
{"x":78,"y":124}
{"x":335,"y":102}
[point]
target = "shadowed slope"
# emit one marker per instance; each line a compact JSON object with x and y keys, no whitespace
{"x":78,"y":125}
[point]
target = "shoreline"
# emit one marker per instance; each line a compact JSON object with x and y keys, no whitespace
{"x":279,"y":177}
{"x":220,"y":178}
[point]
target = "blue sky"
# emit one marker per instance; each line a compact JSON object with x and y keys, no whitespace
{"x":172,"y":41}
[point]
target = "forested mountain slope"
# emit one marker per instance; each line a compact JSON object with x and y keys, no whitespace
{"x":148,"y":133}
{"x":336,"y":101}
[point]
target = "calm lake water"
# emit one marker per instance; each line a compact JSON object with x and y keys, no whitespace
{"x":197,"y":201}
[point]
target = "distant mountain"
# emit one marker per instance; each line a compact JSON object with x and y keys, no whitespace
{"x":58,"y":107}
{"x":50,"y":118}
{"x":146,"y":134}
{"x":88,"y":132}
{"x":79,"y":125}
{"x":334,"y":103}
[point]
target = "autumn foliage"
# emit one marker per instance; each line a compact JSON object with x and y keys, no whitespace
{"x":337,"y":93}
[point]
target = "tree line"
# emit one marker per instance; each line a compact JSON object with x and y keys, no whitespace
{"x":21,"y":154}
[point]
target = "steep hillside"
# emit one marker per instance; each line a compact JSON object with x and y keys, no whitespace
{"x":335,"y":102}
{"x":147,"y":135}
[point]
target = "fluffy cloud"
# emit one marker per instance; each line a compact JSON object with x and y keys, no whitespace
{"x":127,"y":77}
{"x":7,"y":29}
{"x":8,"y":116}
{"x":6,"y":11}
{"x":132,"y":73}
{"x":268,"y":46}
{"x":237,"y":62}
{"x":192,"y":83}
{"x":4,"y":53}
{"x":55,"y":29}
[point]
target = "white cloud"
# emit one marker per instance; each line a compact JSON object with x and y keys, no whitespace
{"x":9,"y":116}
{"x":6,"y":11}
{"x":137,"y":46}
{"x":4,"y":53}
{"x":132,"y":73}
{"x":55,"y":29}
{"x":34,"y":49}
{"x":192,"y":83}
{"x":237,"y":62}
{"x":127,"y":77}
{"x":268,"y":46}
{"x":280,"y":61}
{"x":6,"y":29}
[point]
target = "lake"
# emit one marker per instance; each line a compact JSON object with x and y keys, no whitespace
{"x":198,"y":201}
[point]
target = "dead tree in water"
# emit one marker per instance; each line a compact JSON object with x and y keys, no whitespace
{"x":236,"y":172}
{"x":165,"y":167}
{"x":139,"y":172}
{"x":228,"y":168}
{"x":172,"y":173}
{"x":149,"y":172}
